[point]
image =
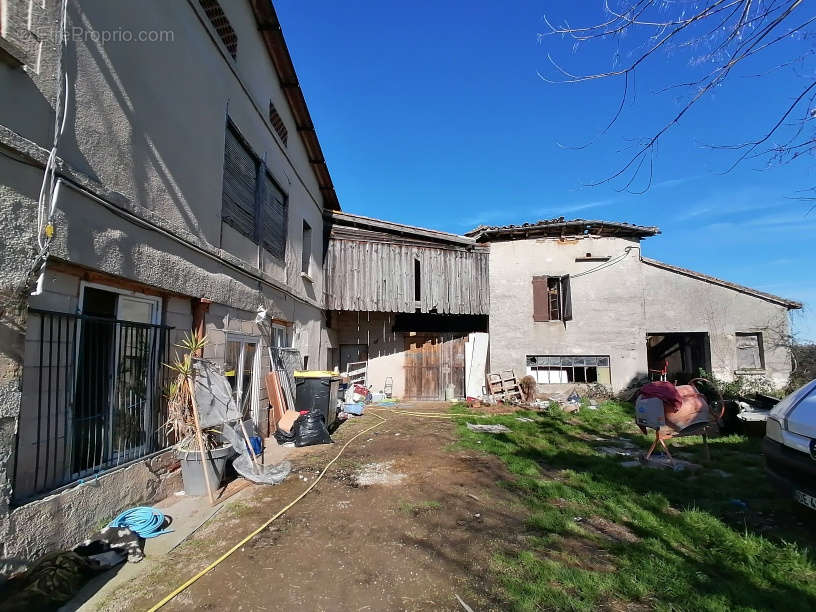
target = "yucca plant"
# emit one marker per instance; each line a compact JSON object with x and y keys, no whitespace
{"x":180,"y":423}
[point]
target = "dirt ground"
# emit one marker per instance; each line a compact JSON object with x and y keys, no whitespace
{"x":402,"y":521}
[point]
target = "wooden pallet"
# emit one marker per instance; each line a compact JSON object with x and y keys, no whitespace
{"x":504,"y":386}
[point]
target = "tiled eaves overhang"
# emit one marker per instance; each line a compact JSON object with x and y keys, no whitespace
{"x":769,"y":297}
{"x":272,"y":34}
{"x":560,"y":227}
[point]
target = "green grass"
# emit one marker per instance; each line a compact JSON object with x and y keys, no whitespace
{"x":417,"y":508}
{"x":695,"y":540}
{"x":239,"y":509}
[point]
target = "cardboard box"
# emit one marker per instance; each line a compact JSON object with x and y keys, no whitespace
{"x":649,"y":412}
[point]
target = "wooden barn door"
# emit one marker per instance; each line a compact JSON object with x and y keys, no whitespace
{"x":422,"y":368}
{"x":431,"y":364}
{"x":453,"y":365}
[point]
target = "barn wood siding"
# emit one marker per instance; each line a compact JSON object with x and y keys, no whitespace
{"x":378,"y":276}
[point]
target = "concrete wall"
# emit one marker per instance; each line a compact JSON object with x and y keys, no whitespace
{"x":607,"y":305}
{"x":65,"y":519}
{"x":143,"y":153}
{"x":616,"y":306}
{"x":150,"y":128}
{"x":386,"y":356}
{"x":678,"y":303}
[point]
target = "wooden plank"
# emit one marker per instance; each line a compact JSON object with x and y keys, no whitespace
{"x":370,"y":276}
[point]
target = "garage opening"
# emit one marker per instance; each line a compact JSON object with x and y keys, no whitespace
{"x":678,"y":356}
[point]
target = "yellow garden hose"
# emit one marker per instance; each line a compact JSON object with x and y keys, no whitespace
{"x":437,"y":415}
{"x":267,"y":523}
{"x":373,"y":409}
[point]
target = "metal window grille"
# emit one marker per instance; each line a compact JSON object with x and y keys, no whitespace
{"x":92,"y":399}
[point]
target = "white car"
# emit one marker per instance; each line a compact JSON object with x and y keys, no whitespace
{"x":790,"y":445}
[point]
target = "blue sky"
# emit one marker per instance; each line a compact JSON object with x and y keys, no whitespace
{"x":434,"y":114}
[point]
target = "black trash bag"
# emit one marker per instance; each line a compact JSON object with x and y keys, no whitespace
{"x":311,"y":429}
{"x":282,"y":437}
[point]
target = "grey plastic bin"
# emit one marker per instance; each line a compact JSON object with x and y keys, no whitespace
{"x":194,"y":483}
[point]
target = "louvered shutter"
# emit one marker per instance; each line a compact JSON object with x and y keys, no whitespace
{"x":240,"y":182}
{"x":273,"y":215}
{"x":541,"y":299}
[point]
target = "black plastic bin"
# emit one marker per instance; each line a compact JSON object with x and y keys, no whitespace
{"x":316,"y":391}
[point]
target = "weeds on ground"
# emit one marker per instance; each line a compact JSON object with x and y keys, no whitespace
{"x":608,"y":536}
{"x":417,"y":508}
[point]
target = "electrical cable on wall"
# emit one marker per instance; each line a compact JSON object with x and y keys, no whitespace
{"x":49,"y":189}
{"x":606,"y":264}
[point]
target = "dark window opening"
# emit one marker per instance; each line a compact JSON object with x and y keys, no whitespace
{"x":355,"y":354}
{"x":429,"y":322}
{"x":552,"y":298}
{"x":417,"y":281}
{"x":221,"y":24}
{"x":677,"y":357}
{"x":306,"y":252}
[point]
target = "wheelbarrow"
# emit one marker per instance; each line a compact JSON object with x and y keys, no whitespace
{"x":686,"y":413}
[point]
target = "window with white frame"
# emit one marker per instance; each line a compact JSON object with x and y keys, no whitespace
{"x":281,"y":336}
{"x":94,"y":381}
{"x":562,"y":369}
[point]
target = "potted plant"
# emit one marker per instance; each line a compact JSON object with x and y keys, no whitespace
{"x":203,"y":453}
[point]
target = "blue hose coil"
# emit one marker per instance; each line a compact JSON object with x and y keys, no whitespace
{"x":145,"y":521}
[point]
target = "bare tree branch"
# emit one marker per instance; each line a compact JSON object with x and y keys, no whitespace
{"x":729,"y":33}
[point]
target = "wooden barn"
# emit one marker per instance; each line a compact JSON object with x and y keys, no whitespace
{"x":408,"y":304}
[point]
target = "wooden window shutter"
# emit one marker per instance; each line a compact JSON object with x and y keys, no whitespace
{"x":541,"y":299}
{"x":566,"y":298}
{"x":239,"y":187}
{"x":274,"y":217}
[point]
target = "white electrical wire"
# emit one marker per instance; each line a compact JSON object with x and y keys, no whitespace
{"x":49,"y":189}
